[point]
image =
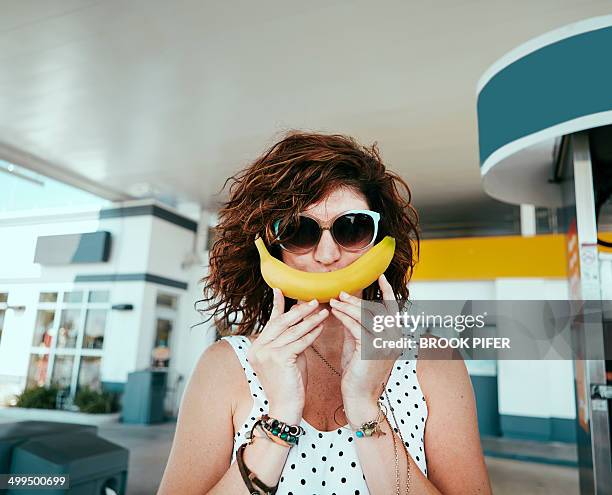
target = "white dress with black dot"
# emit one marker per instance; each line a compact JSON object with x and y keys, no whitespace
{"x":326,"y":462}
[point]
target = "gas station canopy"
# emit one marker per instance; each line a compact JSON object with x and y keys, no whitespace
{"x":557,"y":84}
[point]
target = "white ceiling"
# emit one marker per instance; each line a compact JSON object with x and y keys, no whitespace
{"x":122,"y":97}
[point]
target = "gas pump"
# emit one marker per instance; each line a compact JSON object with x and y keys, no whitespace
{"x":545,"y":137}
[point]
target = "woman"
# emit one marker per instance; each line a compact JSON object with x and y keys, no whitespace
{"x":299,"y":362}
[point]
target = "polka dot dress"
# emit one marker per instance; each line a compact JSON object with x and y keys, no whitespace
{"x":326,"y":462}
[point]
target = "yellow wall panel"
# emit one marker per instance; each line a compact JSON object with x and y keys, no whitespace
{"x":488,"y":258}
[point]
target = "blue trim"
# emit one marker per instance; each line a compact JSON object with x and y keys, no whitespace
{"x":117,"y":387}
{"x":563,"y":430}
{"x":557,"y":83}
{"x":542,"y":429}
{"x":150,"y":210}
{"x":132,"y":277}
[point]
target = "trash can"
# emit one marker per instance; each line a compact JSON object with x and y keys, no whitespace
{"x":143,"y":399}
{"x":92,"y":463}
{"x":14,"y":434}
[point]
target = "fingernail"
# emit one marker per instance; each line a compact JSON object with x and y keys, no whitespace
{"x":343,"y":295}
{"x":314,"y":302}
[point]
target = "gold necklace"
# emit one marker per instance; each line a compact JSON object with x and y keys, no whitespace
{"x":325,"y":360}
{"x":394,"y":420}
{"x":335,"y":371}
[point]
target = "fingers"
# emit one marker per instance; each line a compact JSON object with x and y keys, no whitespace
{"x":387,"y":293}
{"x":298,"y":331}
{"x":297,"y":313}
{"x":278,"y":303}
{"x":298,"y":346}
{"x":355,"y":309}
{"x":280,"y":323}
{"x":348,"y":304}
{"x":352,"y":325}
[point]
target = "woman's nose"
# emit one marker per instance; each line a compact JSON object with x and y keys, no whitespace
{"x":327,"y":251}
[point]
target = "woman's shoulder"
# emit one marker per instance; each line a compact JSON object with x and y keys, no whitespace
{"x":218,"y":363}
{"x":216,"y":356}
{"x":219,"y":372}
{"x":222,"y":360}
{"x":440,"y":370}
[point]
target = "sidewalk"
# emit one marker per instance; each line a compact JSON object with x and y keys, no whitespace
{"x":149,"y":447}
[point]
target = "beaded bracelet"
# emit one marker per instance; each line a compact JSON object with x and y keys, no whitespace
{"x":281,"y":430}
{"x":275,"y":430}
{"x":371,"y":428}
{"x":266,"y":434}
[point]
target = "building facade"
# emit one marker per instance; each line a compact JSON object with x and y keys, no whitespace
{"x":87,"y":295}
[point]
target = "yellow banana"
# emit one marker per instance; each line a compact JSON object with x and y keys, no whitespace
{"x":324,"y":286}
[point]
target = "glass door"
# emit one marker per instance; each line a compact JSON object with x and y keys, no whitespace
{"x":165,"y":317}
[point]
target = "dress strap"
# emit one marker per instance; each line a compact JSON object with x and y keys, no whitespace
{"x":241,"y":345}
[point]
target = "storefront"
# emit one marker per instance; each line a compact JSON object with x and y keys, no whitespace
{"x":87,"y":295}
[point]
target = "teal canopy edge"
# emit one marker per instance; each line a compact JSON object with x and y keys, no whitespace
{"x":562,"y":81}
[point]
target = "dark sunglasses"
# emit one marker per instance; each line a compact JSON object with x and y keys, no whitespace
{"x":352,"y":230}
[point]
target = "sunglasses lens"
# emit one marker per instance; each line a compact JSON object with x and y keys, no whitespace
{"x":354,"y":230}
{"x":301,"y":235}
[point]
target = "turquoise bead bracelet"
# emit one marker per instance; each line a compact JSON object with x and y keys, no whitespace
{"x":372,"y":428}
{"x":288,"y":433}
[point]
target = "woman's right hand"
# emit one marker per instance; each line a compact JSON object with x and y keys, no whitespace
{"x":277,"y":355}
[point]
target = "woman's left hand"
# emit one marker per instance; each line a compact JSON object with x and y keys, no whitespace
{"x":363,"y":379}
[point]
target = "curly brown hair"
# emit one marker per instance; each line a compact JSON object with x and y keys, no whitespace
{"x":296,"y":172}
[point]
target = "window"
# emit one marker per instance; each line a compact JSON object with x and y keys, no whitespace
{"x":47,"y":297}
{"x":166,"y":300}
{"x":99,"y":296}
{"x":166,"y":305}
{"x":95,"y":323}
{"x":37,"y":370}
{"x":68,"y":329}
{"x":162,"y":335}
{"x":63,"y":367}
{"x":73,"y":297}
{"x":89,"y":372}
{"x":43,"y":329}
{"x":68,"y":339}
